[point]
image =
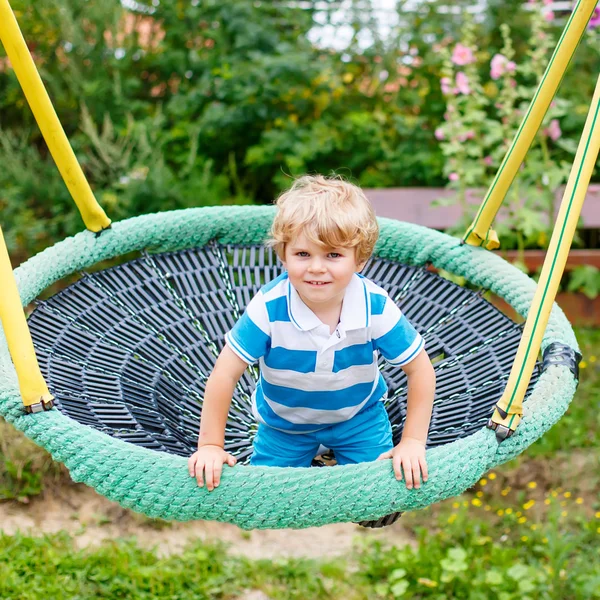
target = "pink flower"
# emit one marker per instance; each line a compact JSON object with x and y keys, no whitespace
{"x":445,"y":83}
{"x":549,"y":16}
{"x":462,"y":55}
{"x":500,"y":65}
{"x":595,"y":18}
{"x":553,"y":131}
{"x":439,"y":134}
{"x":467,"y":135}
{"x":453,"y":177}
{"x":462,"y":84}
{"x":488,"y":161}
{"x":548,"y":2}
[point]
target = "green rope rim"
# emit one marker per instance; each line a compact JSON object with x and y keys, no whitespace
{"x":158,"y":485}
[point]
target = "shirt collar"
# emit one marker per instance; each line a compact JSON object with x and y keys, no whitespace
{"x":355,"y":308}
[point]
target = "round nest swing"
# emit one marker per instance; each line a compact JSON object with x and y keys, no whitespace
{"x":126,"y":352}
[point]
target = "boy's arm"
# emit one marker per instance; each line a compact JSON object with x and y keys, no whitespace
{"x":207,"y":462}
{"x":421,"y":391}
{"x":409,"y":455}
{"x":217,"y":397}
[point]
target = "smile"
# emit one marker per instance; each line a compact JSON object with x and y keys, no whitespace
{"x":317,"y":282}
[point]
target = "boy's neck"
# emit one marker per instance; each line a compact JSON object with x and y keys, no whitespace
{"x":327,"y":313}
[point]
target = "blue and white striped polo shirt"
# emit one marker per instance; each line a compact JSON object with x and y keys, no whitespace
{"x":309,"y":378}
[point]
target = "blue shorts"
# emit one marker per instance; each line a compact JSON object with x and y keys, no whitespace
{"x":361,"y":439}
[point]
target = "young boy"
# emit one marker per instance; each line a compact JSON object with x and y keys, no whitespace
{"x":316,"y":330}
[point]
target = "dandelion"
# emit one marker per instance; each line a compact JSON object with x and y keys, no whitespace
{"x":524,"y":538}
{"x":487,"y":507}
{"x":452,"y":518}
{"x":500,"y":513}
{"x":547,"y":502}
{"x":483,"y":482}
{"x":593,"y":358}
{"x":598,"y":530}
{"x":479,"y":494}
{"x":532,"y":485}
{"x":505,"y":491}
{"x":534,"y":527}
{"x":579,"y":501}
{"x":492,"y":476}
{"x":528,"y":504}
{"x":522,"y":520}
{"x":476,"y":502}
{"x":582,"y":364}
{"x":545,"y":540}
{"x":455,"y":505}
{"x":509,"y":511}
{"x":567,"y":494}
{"x":564,"y":513}
{"x":597,"y":515}
{"x":462,"y":55}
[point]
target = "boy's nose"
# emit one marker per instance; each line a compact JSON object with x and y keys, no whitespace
{"x":316,"y":266}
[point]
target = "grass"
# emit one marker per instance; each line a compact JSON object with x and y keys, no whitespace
{"x":459,"y":554}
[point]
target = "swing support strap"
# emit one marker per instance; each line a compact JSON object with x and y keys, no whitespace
{"x":34,"y":391}
{"x":509,"y":409}
{"x":92,"y":214}
{"x":480,"y":232}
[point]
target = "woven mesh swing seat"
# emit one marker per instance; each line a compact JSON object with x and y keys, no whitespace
{"x":126,"y":352}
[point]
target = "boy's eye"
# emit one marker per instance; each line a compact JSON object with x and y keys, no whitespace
{"x":334,"y":255}
{"x":302,"y":253}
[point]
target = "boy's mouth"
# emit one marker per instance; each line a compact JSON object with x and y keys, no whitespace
{"x":316,"y":283}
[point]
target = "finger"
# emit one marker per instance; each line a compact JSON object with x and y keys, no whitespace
{"x":387,"y":454}
{"x":416,"y":472}
{"x":231,"y":460}
{"x":200,"y":473}
{"x":192,"y":465}
{"x":209,"y":475}
{"x":397,"y":469}
{"x":406,"y":466}
{"x":424,"y":469}
{"x":217,"y":470}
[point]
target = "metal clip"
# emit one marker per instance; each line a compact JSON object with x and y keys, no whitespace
{"x":39,"y":407}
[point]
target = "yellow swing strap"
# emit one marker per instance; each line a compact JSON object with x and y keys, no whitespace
{"x":480,"y":232}
{"x":509,"y":409}
{"x":34,"y":390}
{"x":93,"y":216}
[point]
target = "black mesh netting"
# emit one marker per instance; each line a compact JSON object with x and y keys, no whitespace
{"x":128,"y":350}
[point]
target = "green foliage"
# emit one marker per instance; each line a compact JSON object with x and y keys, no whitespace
{"x":223,"y":102}
{"x":580,"y":426}
{"x":461,"y":555}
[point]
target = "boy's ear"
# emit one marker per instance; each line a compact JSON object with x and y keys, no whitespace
{"x":360,"y":267}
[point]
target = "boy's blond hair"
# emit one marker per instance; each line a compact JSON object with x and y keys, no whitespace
{"x":331,"y":212}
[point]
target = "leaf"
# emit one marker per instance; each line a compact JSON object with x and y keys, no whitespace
{"x":399,"y":589}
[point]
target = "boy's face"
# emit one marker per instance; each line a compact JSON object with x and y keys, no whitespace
{"x":320,"y":275}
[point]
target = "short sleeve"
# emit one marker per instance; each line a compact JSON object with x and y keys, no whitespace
{"x":394,"y":336}
{"x":250,"y":337}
